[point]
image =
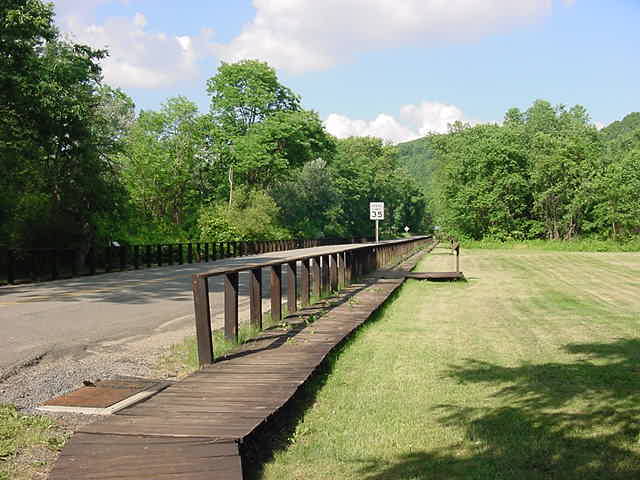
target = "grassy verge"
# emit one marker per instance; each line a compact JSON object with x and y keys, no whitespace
{"x":527,"y":371}
{"x":577,"y":245}
{"x":27,"y":443}
{"x":182,"y":358}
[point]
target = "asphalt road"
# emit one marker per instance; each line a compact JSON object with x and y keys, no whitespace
{"x":53,"y":318}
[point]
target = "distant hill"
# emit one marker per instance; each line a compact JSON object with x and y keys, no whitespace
{"x":621,"y":129}
{"x":417,"y":157}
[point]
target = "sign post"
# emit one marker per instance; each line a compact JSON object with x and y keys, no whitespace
{"x":376,"y":212}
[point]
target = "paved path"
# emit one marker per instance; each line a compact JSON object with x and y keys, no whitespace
{"x":62,"y":316}
{"x":194,"y":428}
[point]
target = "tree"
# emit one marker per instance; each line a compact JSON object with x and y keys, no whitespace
{"x":53,"y":132}
{"x":309,"y":201}
{"x":365,"y":170}
{"x":244,"y":94}
{"x":164,"y":167}
{"x":282,"y":142}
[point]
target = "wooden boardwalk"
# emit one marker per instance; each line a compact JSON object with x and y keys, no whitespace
{"x":192,"y":429}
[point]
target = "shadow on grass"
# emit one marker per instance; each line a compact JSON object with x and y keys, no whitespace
{"x":557,"y":421}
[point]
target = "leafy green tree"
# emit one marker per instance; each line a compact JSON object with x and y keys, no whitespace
{"x":164,"y":167}
{"x":481,"y":186}
{"x":309,"y":201}
{"x":52,"y":132}
{"x":246,"y":93}
{"x":253,"y":215}
{"x":365,"y":170}
{"x":259,"y":130}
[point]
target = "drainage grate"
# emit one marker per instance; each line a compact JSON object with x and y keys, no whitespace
{"x":105,"y":396}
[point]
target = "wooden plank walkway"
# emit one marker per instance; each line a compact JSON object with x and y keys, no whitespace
{"x":192,"y":429}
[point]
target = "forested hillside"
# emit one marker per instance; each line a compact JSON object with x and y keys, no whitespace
{"x":416,"y":157}
{"x":80,"y":165}
{"x":546,"y":172}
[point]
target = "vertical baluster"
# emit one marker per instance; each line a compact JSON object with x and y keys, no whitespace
{"x":255,"y":297}
{"x":305,"y":290}
{"x":231,"y":306}
{"x":333,"y":272}
{"x":315,"y":276}
{"x":200,"y":287}
{"x":324,"y":275}
{"x":276,"y":293}
{"x":292,"y":287}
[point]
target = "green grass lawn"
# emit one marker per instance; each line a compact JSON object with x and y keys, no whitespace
{"x":26,"y":443}
{"x":530,"y":370}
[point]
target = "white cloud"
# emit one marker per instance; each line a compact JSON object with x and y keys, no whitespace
{"x":308,"y":35}
{"x":138,"y":57}
{"x":383,"y":126}
{"x":414,"y":121}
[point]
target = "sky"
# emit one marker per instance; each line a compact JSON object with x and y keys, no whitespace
{"x":396,"y":69}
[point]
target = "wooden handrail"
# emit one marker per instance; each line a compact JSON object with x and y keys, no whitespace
{"x":325,"y":271}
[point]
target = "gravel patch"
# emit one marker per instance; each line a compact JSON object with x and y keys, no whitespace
{"x":55,"y":375}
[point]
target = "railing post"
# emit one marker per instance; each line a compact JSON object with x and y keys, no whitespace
{"x":34,"y":266}
{"x":200,"y":287}
{"x":180,"y":257}
{"x":333,"y":272}
{"x":136,"y":257}
{"x":107,"y":260}
{"x":341,"y":270}
{"x":189,"y":252}
{"x":348,"y":260}
{"x":315,"y":276}
{"x":276,"y":293}
{"x":92,"y":260}
{"x":305,"y":291}
{"x":11,"y":266}
{"x":54,"y":264}
{"x":255,"y":297}
{"x":324,"y":275}
{"x":292,"y":287}
{"x":231,"y":306}
{"x":123,"y":258}
{"x":206,"y":252}
{"x":170,"y":249}
{"x":74,"y":265}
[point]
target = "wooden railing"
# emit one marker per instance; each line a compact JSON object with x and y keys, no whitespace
{"x":21,"y":265}
{"x":319,"y":274}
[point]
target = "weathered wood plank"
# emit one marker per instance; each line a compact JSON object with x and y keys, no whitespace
{"x":190,"y":429}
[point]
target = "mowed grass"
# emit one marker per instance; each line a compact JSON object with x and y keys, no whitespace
{"x":530,"y":370}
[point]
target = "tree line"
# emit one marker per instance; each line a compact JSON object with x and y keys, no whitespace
{"x":81,"y":166}
{"x":546,"y":172}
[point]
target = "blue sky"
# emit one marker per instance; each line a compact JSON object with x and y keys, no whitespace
{"x":392,"y":68}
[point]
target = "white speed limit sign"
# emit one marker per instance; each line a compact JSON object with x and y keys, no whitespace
{"x":376,"y":210}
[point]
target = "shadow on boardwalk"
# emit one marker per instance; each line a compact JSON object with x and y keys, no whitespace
{"x":540,"y":434}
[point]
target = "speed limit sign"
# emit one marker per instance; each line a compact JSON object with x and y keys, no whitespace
{"x":376,"y":210}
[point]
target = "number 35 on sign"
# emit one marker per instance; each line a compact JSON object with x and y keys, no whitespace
{"x":376,"y":210}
